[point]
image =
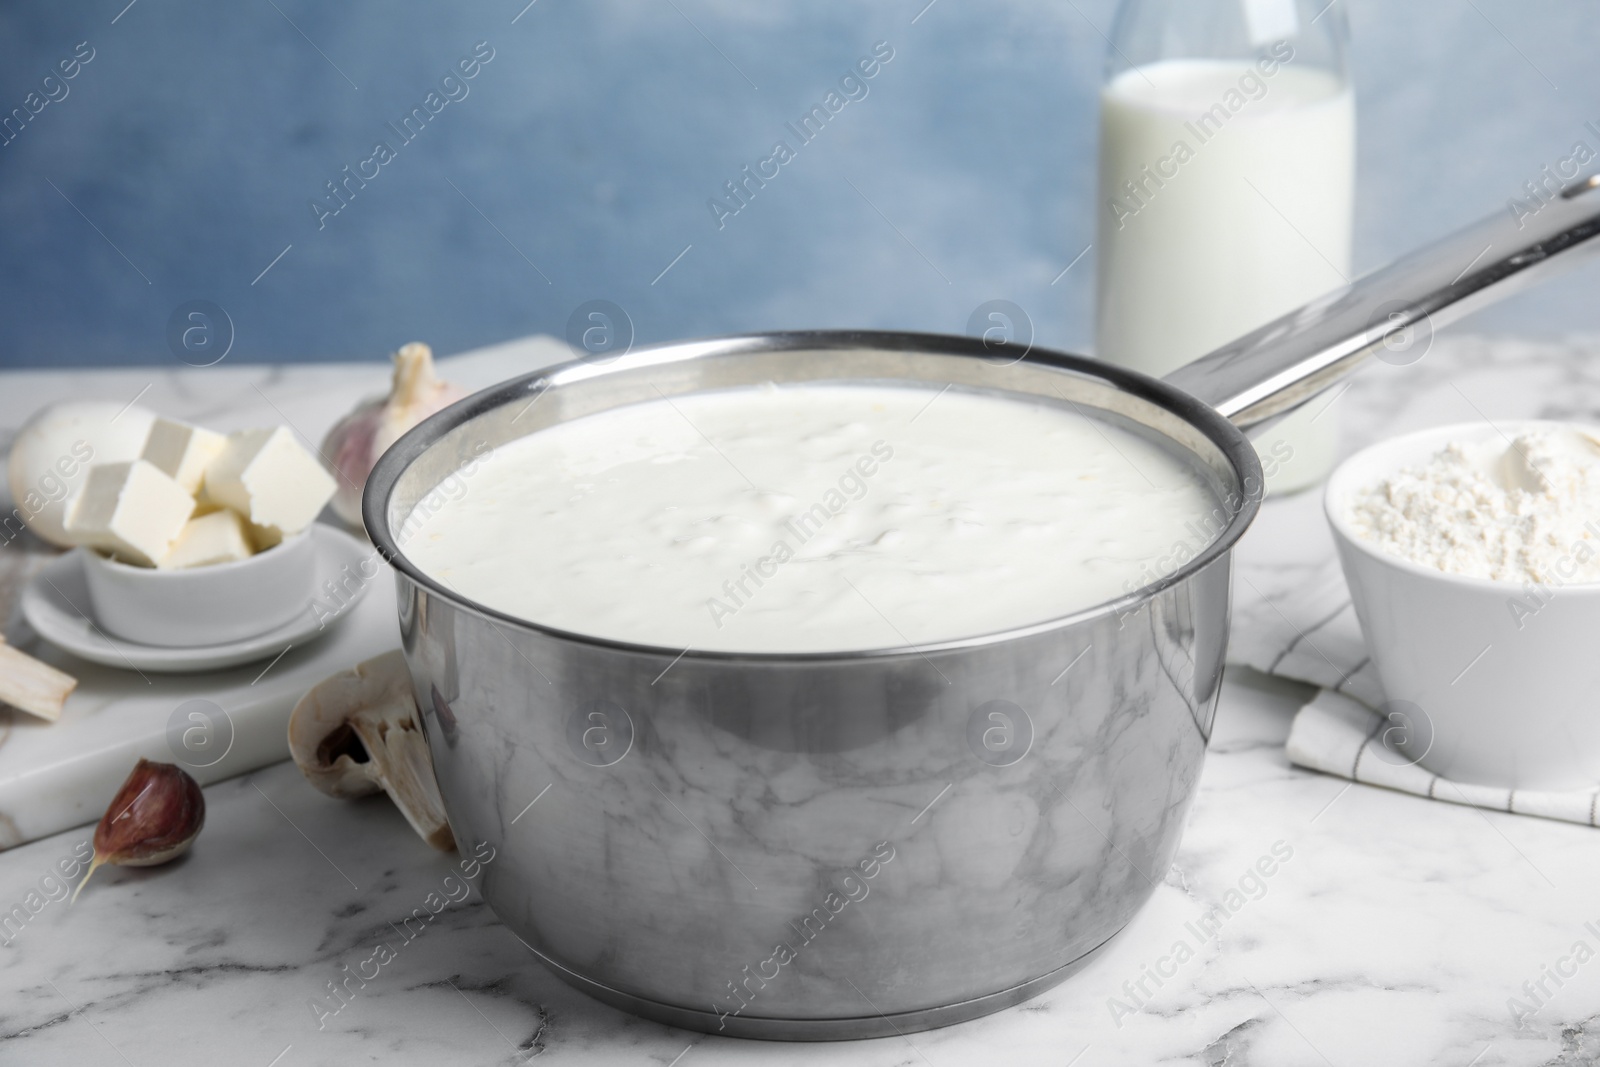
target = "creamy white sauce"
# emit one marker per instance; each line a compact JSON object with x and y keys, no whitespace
{"x":813,"y":518}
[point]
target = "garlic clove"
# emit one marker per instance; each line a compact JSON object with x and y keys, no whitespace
{"x":153,"y":819}
{"x":357,"y":440}
{"x":359,"y":731}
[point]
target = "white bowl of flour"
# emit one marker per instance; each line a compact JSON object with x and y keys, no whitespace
{"x":1472,"y":553}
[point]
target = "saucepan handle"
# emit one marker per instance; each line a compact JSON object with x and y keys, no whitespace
{"x":1392,"y":311}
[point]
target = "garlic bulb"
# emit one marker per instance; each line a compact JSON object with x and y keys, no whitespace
{"x":357,"y":440}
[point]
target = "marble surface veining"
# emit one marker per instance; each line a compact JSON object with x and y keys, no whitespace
{"x":1304,"y":920}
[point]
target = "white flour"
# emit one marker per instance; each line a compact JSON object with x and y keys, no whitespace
{"x":1525,"y":512}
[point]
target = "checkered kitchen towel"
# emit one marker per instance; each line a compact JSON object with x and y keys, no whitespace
{"x":1297,"y":622}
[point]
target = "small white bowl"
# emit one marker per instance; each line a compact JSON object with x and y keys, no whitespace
{"x":196,"y":606}
{"x":1488,"y":694}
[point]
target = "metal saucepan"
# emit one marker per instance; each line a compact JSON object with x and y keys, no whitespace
{"x":843,"y":845}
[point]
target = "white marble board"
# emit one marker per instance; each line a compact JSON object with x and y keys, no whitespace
{"x":63,"y":774}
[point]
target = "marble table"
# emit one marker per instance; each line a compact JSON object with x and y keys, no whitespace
{"x":1391,"y":930}
{"x":219,"y":723}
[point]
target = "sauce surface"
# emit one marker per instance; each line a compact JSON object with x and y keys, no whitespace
{"x":813,"y":518}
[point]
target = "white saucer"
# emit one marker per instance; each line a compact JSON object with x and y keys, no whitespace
{"x":56,"y":605}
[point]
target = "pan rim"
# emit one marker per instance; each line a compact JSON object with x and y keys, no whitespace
{"x":1235,"y":447}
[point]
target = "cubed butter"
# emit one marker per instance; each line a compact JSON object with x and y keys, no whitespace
{"x":265,"y":537}
{"x":272,"y":480}
{"x":216,"y":537}
{"x":132,"y":510}
{"x":183,"y":451}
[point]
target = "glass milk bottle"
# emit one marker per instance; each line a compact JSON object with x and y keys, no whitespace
{"x":1227,"y":157}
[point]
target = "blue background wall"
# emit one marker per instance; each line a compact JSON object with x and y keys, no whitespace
{"x":584,"y":154}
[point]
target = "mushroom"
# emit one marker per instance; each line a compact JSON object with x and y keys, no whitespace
{"x":52,"y":453}
{"x":359,"y":731}
{"x":32,"y":685}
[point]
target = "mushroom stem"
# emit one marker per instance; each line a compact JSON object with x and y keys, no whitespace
{"x":359,"y":731}
{"x":31,"y":685}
